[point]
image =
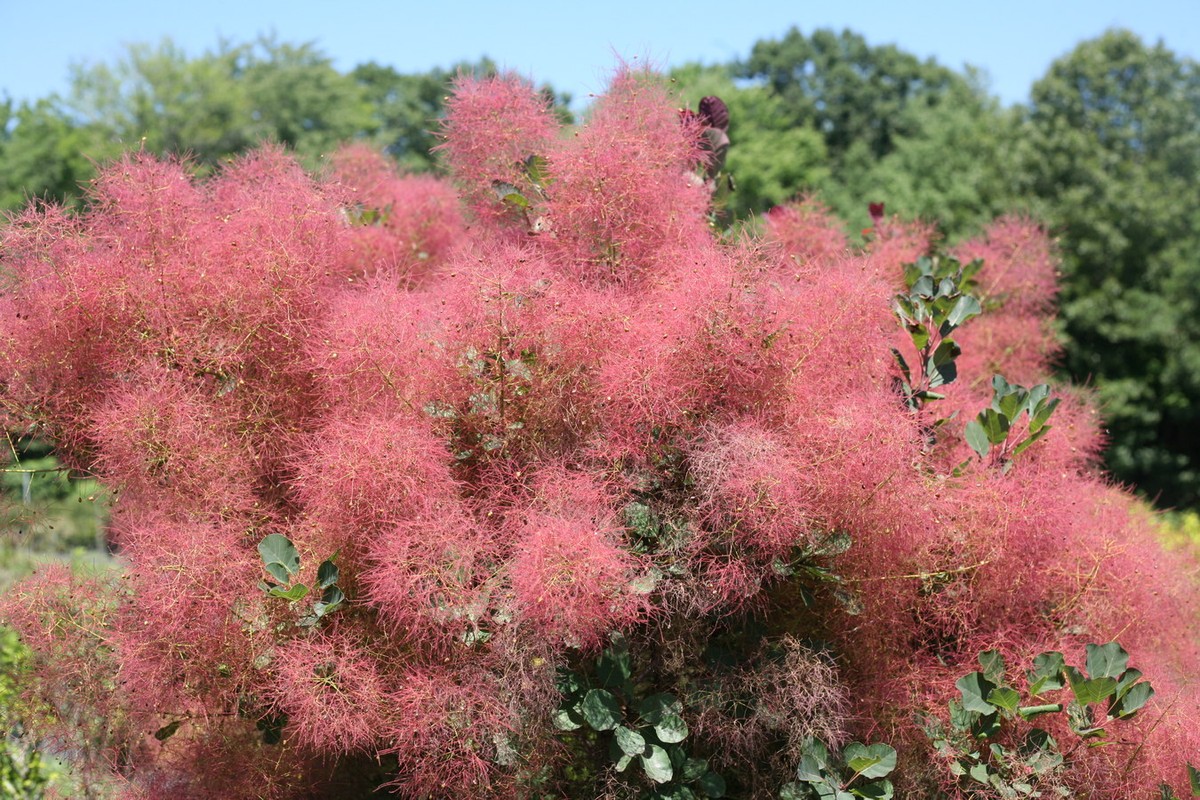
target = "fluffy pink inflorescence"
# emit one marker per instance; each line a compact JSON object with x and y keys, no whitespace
{"x":405,"y":226}
{"x":333,"y":696}
{"x":376,"y":352}
{"x":1017,"y":283}
{"x":572,"y":580}
{"x":1020,"y":269}
{"x":623,"y":189}
{"x":894,"y":242}
{"x":220,"y":283}
{"x":196,"y":579}
{"x":430,"y":575}
{"x":752,"y":491}
{"x":169,"y":450}
{"x":361,"y":475}
{"x":447,"y":726}
{"x":807,"y":230}
{"x":492,"y":126}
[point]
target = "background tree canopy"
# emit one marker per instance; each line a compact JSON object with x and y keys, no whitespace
{"x":1105,"y":155}
{"x":1111,"y":158}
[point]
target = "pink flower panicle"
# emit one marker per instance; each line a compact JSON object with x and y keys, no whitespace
{"x":334,"y":698}
{"x":622,"y":189}
{"x":449,"y":731}
{"x":807,"y":230}
{"x":572,"y":580}
{"x":405,"y":226}
{"x":492,"y":126}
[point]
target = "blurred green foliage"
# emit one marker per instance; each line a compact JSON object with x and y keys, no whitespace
{"x":44,"y":508}
{"x":46,"y":516}
{"x":1111,"y":159}
{"x":24,"y":770}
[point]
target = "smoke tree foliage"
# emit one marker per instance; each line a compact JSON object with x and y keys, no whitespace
{"x":453,"y":501}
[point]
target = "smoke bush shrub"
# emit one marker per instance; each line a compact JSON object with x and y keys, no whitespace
{"x":579,"y":417}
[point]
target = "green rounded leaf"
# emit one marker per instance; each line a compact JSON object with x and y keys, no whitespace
{"x":1046,"y":674}
{"x":673,"y":792}
{"x":291,"y":594}
{"x":712,"y":784}
{"x":565,"y":719}
{"x":509,"y":194}
{"x":1090,"y":690}
{"x":995,"y":425}
{"x":874,"y":761}
{"x":657,"y":764}
{"x":614,"y":667}
{"x":1011,"y":404}
{"x":280,"y":556}
{"x":568,"y":683}
{"x":977,"y":437}
{"x":993,"y":666}
{"x":1043,"y":756}
{"x":535,"y":169}
{"x":817,"y":753}
{"x":1005,"y":698}
{"x":630,"y":741}
{"x":327,"y":574}
{"x":331,"y":599}
{"x":1131,"y":700}
{"x":657,"y":706}
{"x":975,"y":687}
{"x":693,"y":769}
{"x":963,"y":310}
{"x":875,"y":790}
{"x":1106,"y":660}
{"x":600,"y":710}
{"x":671,"y":729}
{"x":1029,"y":712}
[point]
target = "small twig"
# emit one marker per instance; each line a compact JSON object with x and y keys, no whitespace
{"x":878,"y":486}
{"x":24,"y":471}
{"x":922,"y":575}
{"x":1142,"y":743}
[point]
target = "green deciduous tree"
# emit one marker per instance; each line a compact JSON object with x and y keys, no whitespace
{"x":159,"y":99}
{"x":1113,"y":137}
{"x":44,"y":154}
{"x":210,"y":107}
{"x":406,"y":108}
{"x":928,"y":141}
{"x":846,"y":89}
{"x":953,"y":164}
{"x":221,"y":102}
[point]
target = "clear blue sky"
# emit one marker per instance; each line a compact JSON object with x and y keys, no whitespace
{"x":570,"y":43}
